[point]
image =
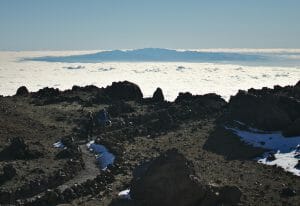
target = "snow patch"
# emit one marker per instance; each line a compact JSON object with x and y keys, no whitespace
{"x":287,"y":161}
{"x":125,"y":194}
{"x":103,"y":156}
{"x":58,"y":144}
{"x":286,"y":149}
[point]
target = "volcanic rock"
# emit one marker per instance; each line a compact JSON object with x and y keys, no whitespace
{"x":158,"y":95}
{"x":18,"y":149}
{"x":271,"y":157}
{"x":22,"y":91}
{"x":8,"y":173}
{"x":119,"y":107}
{"x":258,"y":111}
{"x":46,"y":92}
{"x":168,"y":180}
{"x":293,"y":129}
{"x":124,"y":91}
{"x":288,"y":192}
{"x":198,"y":105}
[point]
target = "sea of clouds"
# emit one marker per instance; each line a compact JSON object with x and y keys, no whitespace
{"x":221,"y":77}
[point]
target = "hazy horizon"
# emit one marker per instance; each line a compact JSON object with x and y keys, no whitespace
{"x":216,"y":49}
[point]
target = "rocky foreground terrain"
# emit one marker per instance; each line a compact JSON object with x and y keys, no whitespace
{"x":166,"y":153}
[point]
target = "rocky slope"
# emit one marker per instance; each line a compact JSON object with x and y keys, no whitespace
{"x":167,"y":153}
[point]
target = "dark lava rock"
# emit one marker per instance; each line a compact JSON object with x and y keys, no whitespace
{"x":68,"y":153}
{"x":184,"y":97}
{"x":18,"y":149}
{"x":168,"y":180}
{"x":8,"y":173}
{"x":22,"y":91}
{"x":88,"y":88}
{"x":71,"y":149}
{"x":158,"y":95}
{"x":230,"y":195}
{"x":124,"y":91}
{"x":293,"y":129}
{"x":50,"y":96}
{"x":218,"y":195}
{"x":289,"y":104}
{"x":159,"y":122}
{"x":288,"y":192}
{"x":268,"y":109}
{"x":271,"y":157}
{"x":119,"y":107}
{"x":5,"y":196}
{"x":68,"y":141}
{"x":51,"y":197}
{"x":258,"y":111}
{"x":199,"y":105}
{"x":68,"y":194}
{"x":165,"y":119}
{"x":46,"y":92}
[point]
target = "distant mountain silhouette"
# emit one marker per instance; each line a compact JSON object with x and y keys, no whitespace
{"x":153,"y":55}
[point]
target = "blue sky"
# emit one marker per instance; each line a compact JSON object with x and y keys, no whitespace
{"x":113,"y":24}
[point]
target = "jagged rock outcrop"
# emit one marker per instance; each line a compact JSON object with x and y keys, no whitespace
{"x":158,"y":95}
{"x":268,"y":109}
{"x":258,"y":111}
{"x":198,"y":105}
{"x":46,"y":93}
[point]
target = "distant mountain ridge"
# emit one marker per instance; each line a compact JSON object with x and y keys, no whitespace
{"x":153,"y":55}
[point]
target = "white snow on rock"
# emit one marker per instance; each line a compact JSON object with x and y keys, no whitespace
{"x":125,"y":194}
{"x":286,"y":149}
{"x":103,"y":156}
{"x":58,"y":144}
{"x":285,"y":160}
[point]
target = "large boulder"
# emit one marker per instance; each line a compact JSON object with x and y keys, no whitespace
{"x":22,"y":91}
{"x":276,"y":109}
{"x":198,"y":105}
{"x":158,"y":95}
{"x":124,"y":91}
{"x":290,"y":105}
{"x":293,"y":129}
{"x":259,"y":111}
{"x":170,"y":180}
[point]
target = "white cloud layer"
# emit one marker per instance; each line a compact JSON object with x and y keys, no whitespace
{"x":172,"y":77}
